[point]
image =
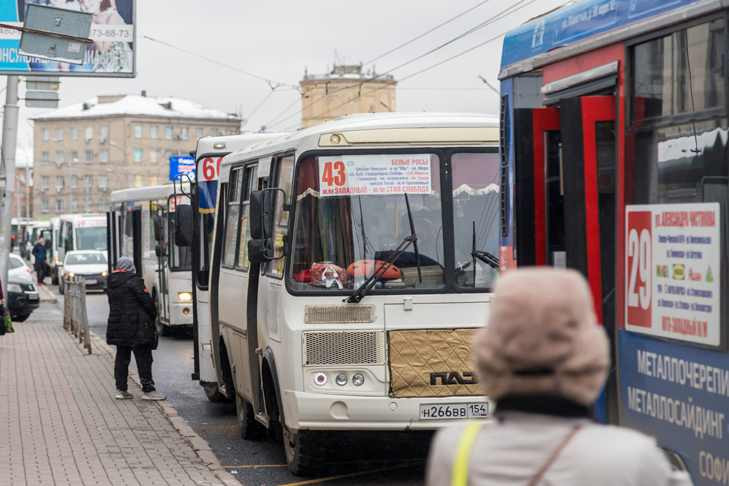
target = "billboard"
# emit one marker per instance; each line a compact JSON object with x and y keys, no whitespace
{"x":181,"y":165}
{"x":111,"y":54}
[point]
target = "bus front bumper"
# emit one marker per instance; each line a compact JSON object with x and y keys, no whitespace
{"x":314,"y":411}
{"x":181,"y":314}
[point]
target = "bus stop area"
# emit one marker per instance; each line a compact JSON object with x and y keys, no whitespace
{"x":62,"y":426}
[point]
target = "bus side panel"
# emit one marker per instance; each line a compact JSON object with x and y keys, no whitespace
{"x":231,"y":312}
{"x":679,"y":395}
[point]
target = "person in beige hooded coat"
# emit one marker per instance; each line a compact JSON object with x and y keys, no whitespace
{"x":543,"y":358}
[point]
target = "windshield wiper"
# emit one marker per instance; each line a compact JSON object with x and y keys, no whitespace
{"x":412,"y":239}
{"x":484,"y":256}
{"x":415,"y":238}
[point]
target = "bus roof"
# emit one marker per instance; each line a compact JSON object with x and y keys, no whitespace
{"x":382,"y":129}
{"x":231,"y":143}
{"x":148,"y":193}
{"x":589,"y":24}
{"x":83,"y":217}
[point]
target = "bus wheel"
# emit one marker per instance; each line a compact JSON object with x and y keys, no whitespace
{"x":249,"y":428}
{"x":214,"y":394}
{"x":300,"y":451}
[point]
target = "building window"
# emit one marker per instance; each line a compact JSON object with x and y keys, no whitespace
{"x":138,"y":181}
{"x":74,"y":156}
{"x":60,"y":157}
{"x":74,"y":133}
{"x":185,"y":133}
{"x":104,"y":156}
{"x":200,"y":132}
{"x":103,"y":183}
{"x":44,"y":204}
{"x":168,"y":133}
{"x":59,"y":205}
{"x":74,"y":205}
{"x":138,"y":131}
{"x":89,"y":135}
{"x":45,"y":156}
{"x":88,"y":182}
{"x":46,"y":135}
{"x":153,"y":155}
{"x":103,"y":134}
{"x":60,"y":183}
{"x":153,"y":131}
{"x":138,"y":155}
{"x":74,"y":182}
{"x":59,"y":135}
{"x":45,"y":182}
{"x":89,"y":156}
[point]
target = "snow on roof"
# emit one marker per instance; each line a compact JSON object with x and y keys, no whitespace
{"x":136,"y":105}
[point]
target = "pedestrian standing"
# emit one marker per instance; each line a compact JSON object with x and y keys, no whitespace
{"x":39,"y":260}
{"x":131,"y":328}
{"x":543,"y":358}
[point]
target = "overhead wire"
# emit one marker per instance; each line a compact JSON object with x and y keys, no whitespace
{"x":427,"y":32}
{"x":519,"y":5}
{"x":271,"y":82}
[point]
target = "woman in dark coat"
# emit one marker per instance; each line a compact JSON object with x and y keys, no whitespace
{"x":131,"y":328}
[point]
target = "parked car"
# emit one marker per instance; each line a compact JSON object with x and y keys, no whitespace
{"x":89,"y":264}
{"x":23,"y":296}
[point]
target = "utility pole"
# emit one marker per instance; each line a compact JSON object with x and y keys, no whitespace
{"x":7,"y":173}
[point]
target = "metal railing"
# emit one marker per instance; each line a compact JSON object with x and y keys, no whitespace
{"x":75,"y":318}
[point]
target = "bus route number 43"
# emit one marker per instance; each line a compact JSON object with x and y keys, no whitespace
{"x":334,"y":174}
{"x":639,"y":248}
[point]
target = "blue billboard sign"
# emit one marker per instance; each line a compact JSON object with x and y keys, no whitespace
{"x":181,"y":165}
{"x":112,"y":52}
{"x":578,"y":22}
{"x":679,"y":394}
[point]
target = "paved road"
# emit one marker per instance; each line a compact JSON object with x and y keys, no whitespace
{"x":258,"y":463}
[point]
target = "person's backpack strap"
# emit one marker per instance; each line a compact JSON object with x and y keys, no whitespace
{"x":459,"y":473}
{"x":553,"y":457}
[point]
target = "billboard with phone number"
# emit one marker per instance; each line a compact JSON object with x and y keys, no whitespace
{"x":112,"y":54}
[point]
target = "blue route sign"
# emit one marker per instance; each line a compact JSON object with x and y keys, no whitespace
{"x":181,"y":165}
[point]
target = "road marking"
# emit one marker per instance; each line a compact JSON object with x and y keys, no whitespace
{"x":352,"y":475}
{"x":255,"y":466}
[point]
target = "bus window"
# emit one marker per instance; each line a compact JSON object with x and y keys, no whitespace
{"x":180,"y":257}
{"x":476,"y":209}
{"x":249,"y":181}
{"x":232,"y":218}
{"x":284,"y":170}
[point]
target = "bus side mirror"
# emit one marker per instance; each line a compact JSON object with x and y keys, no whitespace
{"x":261,"y":221}
{"x":159,"y":251}
{"x":183,"y":225}
{"x":157,"y":227}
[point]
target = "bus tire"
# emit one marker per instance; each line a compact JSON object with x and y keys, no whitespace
{"x":250,"y":429}
{"x":303,"y":456}
{"x":162,"y":330}
{"x":214,"y":395}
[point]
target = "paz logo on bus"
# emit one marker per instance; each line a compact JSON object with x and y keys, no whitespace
{"x":452,"y":378}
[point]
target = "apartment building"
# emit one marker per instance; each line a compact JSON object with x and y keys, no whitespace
{"x":83,"y":152}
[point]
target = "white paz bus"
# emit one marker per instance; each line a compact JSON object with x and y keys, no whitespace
{"x":76,"y":232}
{"x":351,"y":264}
{"x":209,"y":155}
{"x":141,"y":222}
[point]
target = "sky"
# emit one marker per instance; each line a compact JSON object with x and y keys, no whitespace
{"x":281,"y":39}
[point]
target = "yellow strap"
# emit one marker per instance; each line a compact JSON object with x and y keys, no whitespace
{"x":459,"y":476}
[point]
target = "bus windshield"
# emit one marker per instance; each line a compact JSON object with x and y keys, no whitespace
{"x":353,"y":211}
{"x":91,"y":238}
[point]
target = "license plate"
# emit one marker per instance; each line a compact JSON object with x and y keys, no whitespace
{"x":454,"y":411}
{"x":91,"y":282}
{"x":32,"y":296}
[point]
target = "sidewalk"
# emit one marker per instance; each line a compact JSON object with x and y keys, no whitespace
{"x":60,"y":425}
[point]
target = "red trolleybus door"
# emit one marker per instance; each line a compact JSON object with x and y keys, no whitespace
{"x":588,"y":154}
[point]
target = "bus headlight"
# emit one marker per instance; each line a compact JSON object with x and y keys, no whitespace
{"x":358,"y":379}
{"x":184,"y":297}
{"x":104,"y":274}
{"x":341,"y":379}
{"x":13,"y":287}
{"x":320,"y":379}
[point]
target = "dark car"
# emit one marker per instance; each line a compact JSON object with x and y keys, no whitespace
{"x":23,"y":296}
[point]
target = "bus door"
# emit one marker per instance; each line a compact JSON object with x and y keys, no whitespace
{"x":162,"y":249}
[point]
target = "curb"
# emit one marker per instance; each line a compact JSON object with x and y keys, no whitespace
{"x":199,"y":445}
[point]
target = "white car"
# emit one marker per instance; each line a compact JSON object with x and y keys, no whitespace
{"x":23,"y":296}
{"x":90,"y":264}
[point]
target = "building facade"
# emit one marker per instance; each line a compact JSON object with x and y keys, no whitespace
{"x":345,"y":90}
{"x":85,"y":151}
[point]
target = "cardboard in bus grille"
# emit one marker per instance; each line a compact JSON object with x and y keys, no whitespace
{"x":343,"y":348}
{"x":431,"y":363}
{"x":339,"y":314}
